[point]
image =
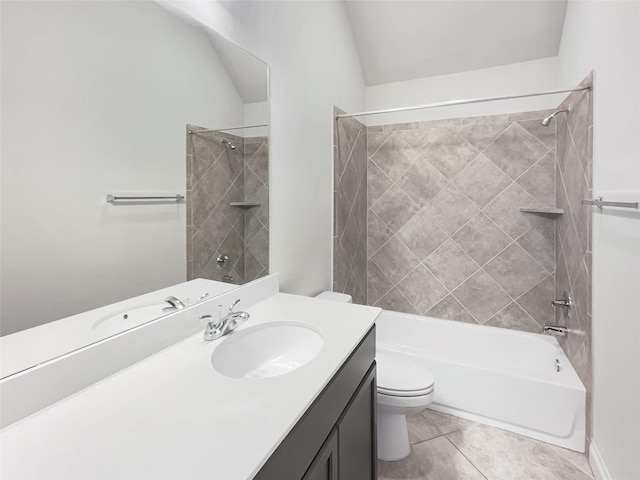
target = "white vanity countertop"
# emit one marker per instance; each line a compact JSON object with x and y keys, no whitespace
{"x":174,"y":416}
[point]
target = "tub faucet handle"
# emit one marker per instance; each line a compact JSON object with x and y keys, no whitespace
{"x":563,"y":302}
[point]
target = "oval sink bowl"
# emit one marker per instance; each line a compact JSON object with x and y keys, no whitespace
{"x":133,"y":316}
{"x":266,"y":350}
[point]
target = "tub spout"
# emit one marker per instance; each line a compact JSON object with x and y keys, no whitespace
{"x":555,"y":330}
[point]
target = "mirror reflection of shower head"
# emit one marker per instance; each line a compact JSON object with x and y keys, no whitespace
{"x":547,"y":121}
{"x":228,"y":144}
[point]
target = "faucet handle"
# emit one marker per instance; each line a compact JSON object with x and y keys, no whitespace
{"x":233,"y":305}
{"x":211,"y":321}
{"x":238,"y":318}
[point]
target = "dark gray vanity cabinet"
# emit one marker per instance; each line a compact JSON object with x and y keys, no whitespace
{"x":325,"y":465}
{"x":336,"y":437}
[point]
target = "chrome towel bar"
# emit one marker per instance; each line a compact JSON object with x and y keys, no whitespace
{"x":117,"y":198}
{"x":599,"y":202}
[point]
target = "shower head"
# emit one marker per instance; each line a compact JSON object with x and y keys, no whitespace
{"x":547,"y":121}
{"x":228,"y":144}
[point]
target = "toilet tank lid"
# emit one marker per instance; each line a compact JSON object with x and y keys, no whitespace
{"x":335,"y":297}
{"x":397,"y":373}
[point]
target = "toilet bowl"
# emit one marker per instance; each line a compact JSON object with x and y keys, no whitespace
{"x":403,"y":387}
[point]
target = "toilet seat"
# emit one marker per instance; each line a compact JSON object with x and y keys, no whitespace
{"x":404,"y":393}
{"x":399,"y":377}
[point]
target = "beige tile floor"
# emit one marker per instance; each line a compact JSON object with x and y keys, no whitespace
{"x":445,"y":447}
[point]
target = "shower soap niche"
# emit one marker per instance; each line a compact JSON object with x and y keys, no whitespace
{"x":245,"y":204}
{"x":543,"y":210}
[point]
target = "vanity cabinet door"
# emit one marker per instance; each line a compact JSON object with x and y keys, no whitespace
{"x":312,"y":449}
{"x":357,"y":433}
{"x":325,"y":465}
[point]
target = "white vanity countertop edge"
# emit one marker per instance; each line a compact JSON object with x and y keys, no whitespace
{"x":173,"y":416}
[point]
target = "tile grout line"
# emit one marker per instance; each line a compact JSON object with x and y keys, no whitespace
{"x":465,"y":457}
{"x":350,"y":153}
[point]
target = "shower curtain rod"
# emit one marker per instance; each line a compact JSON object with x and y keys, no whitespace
{"x":239,"y":127}
{"x":461,"y":102}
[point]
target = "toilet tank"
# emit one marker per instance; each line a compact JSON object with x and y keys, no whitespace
{"x":335,"y":297}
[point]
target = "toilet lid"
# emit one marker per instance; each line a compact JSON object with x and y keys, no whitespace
{"x":402,"y":377}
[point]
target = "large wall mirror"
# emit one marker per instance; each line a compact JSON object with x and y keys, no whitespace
{"x":126,"y":99}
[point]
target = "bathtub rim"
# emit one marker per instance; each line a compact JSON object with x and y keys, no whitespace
{"x":572,"y":375}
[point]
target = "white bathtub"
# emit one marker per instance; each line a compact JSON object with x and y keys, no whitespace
{"x":499,"y":377}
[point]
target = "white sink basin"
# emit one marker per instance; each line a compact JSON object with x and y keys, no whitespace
{"x":116,"y":322}
{"x":266,"y":350}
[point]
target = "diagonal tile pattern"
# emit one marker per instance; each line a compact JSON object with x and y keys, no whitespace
{"x":217,"y":177}
{"x":451,"y":264}
{"x":573,"y":259}
{"x":515,"y":150}
{"x":481,"y":296}
{"x":515,"y":270}
{"x":446,"y":236}
{"x":420,"y":241}
{"x":481,"y":181}
{"x":481,"y":238}
{"x":451,"y":154}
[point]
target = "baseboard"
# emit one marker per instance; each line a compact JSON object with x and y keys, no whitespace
{"x":596,"y":462}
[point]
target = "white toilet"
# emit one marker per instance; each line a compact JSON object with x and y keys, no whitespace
{"x":403,"y":387}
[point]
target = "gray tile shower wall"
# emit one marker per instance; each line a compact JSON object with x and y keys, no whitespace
{"x":446,"y":237}
{"x":256,"y":219}
{"x":218,"y":175}
{"x":573,"y":241}
{"x":350,"y":208}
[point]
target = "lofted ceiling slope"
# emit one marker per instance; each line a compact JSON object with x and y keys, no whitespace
{"x":399,"y":40}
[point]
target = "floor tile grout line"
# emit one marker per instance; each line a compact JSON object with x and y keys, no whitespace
{"x":429,"y":439}
{"x":466,"y":458}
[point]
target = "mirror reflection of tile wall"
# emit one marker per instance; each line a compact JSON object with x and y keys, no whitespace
{"x":217,"y":176}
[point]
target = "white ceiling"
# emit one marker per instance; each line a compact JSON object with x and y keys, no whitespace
{"x":400,"y":40}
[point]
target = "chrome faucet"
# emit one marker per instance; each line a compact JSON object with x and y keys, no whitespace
{"x":224,"y":325}
{"x":559,"y":330}
{"x":174,"y":304}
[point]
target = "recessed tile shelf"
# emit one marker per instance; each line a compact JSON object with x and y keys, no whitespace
{"x":548,"y":211}
{"x":245,"y":204}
